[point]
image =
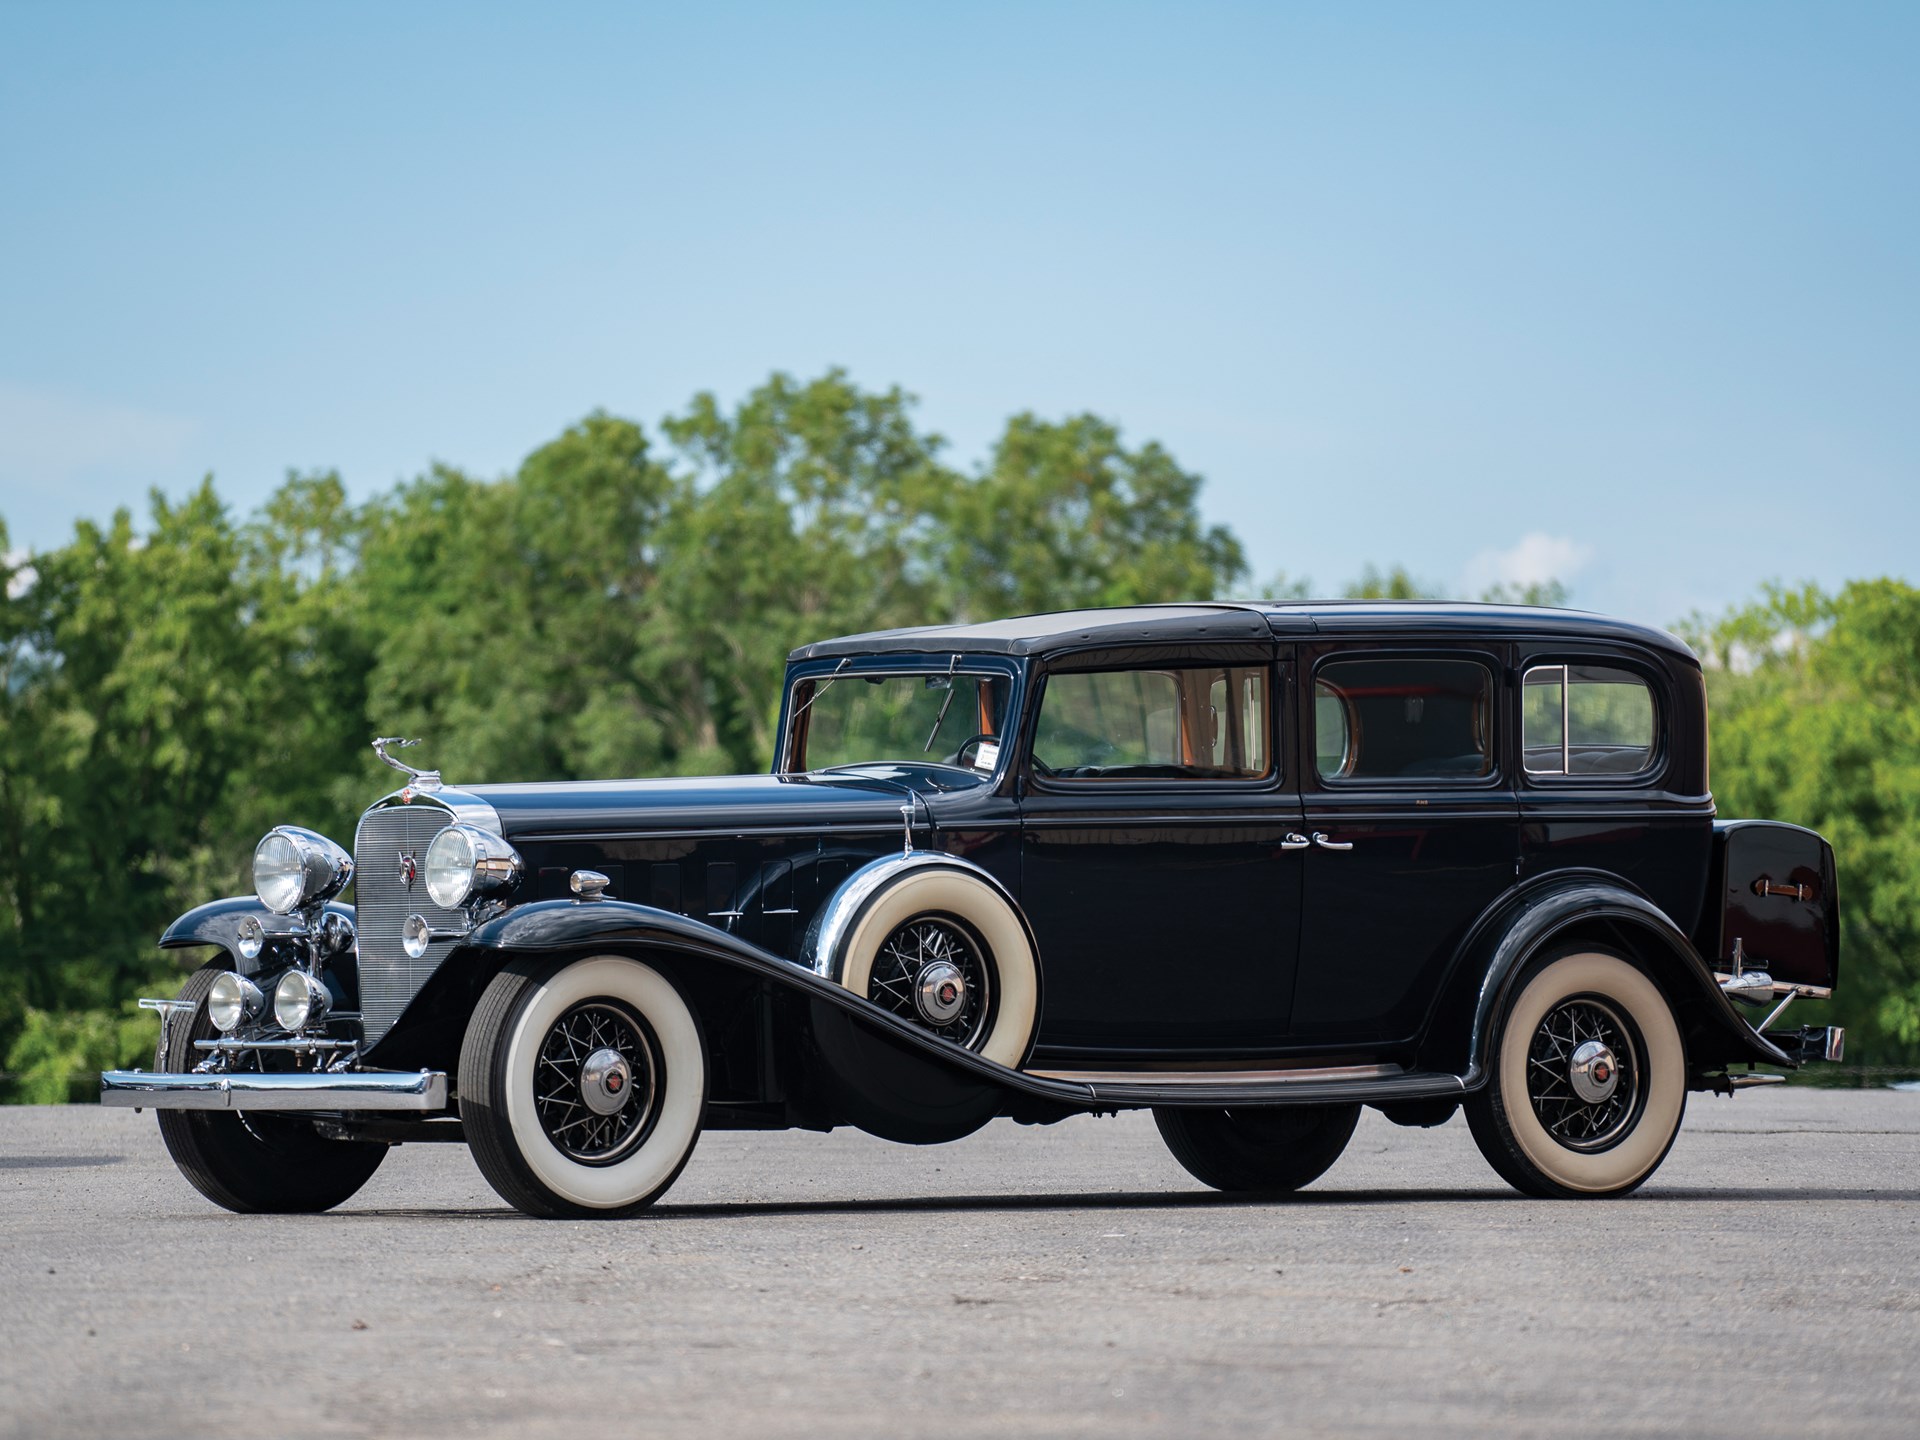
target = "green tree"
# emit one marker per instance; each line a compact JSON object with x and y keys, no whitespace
{"x":816,"y":509}
{"x":1065,"y":515}
{"x":1395,"y":584}
{"x":1816,"y":719}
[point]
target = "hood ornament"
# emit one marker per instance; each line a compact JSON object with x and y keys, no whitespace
{"x":423,"y":780}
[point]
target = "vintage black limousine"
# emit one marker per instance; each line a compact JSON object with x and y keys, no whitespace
{"x":1253,"y":866}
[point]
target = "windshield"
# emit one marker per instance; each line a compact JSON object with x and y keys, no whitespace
{"x":914,"y":718}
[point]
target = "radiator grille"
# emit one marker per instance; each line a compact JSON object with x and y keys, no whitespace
{"x":389,"y":977}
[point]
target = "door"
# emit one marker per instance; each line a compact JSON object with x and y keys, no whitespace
{"x":1161,"y":857}
{"x":1414,"y":823}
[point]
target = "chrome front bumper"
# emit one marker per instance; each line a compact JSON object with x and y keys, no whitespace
{"x":361,"y":1090}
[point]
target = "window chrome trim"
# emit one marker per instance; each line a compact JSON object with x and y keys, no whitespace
{"x":1656,"y":748}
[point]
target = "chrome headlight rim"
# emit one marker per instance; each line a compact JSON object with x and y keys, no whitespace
{"x":288,"y":853}
{"x":465,"y":863}
{"x":299,"y":1000}
{"x":233,"y":1000}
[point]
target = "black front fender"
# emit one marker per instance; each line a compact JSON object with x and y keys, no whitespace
{"x":564,"y":926}
{"x":217,"y":921}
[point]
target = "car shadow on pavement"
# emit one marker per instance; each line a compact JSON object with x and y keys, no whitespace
{"x":1145,"y":1200}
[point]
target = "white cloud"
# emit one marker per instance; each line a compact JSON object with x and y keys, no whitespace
{"x":21,"y":580}
{"x":47,"y":436}
{"x":1536,"y":559}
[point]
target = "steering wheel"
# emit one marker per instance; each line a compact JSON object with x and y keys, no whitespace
{"x":969,"y":743}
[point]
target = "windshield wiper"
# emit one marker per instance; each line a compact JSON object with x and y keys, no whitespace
{"x":945,"y":705}
{"x":819,"y":690}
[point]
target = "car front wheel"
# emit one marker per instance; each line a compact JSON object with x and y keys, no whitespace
{"x":1588,"y":1081}
{"x":1263,"y":1149}
{"x":582,"y":1086}
{"x":250,"y":1161}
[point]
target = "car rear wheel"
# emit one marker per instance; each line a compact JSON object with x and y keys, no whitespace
{"x":582,"y":1086}
{"x":249,"y":1161}
{"x":1588,"y":1082}
{"x":1264,"y":1149}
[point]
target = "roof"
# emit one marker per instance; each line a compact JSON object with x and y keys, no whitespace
{"x":1230,"y":620}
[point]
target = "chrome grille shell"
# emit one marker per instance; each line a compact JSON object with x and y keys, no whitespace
{"x":389,"y":977}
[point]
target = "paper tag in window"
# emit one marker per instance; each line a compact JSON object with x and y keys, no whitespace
{"x":986,"y":755}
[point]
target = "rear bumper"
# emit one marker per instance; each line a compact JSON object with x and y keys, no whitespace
{"x":1811,"y":1043}
{"x":420,"y":1090}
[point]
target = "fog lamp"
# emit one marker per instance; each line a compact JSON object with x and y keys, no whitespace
{"x":299,"y":1000}
{"x":233,"y":999}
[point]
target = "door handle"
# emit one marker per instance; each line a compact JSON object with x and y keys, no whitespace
{"x":1295,"y":842}
{"x":1320,"y":839}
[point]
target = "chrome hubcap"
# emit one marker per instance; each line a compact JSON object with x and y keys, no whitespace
{"x":606,"y":1082}
{"x":1593,"y":1072}
{"x":940,"y":993}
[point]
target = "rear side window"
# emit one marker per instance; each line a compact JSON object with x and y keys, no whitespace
{"x":1586,"y":720}
{"x":1403,"y":719}
{"x":1203,"y":723}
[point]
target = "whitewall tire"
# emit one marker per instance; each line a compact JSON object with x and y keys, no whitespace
{"x":945,"y":950}
{"x":582,"y":1086}
{"x":1588,"y":1080}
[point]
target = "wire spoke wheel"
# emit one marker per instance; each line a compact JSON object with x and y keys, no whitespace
{"x":933,"y":971}
{"x":597,"y":1082}
{"x":1584,"y":1074}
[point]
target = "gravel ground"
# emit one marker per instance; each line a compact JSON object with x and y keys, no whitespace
{"x":1062,"y":1281}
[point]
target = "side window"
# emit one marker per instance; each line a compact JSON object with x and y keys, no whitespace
{"x":1586,"y":720}
{"x":1204,"y":723}
{"x":1403,"y":719}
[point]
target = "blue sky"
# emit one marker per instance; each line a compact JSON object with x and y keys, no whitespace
{"x":1626,"y":293}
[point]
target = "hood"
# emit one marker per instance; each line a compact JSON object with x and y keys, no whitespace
{"x":728,"y":802}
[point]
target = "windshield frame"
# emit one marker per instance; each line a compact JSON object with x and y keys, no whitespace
{"x":958,"y":664}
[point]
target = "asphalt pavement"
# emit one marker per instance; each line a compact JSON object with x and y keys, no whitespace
{"x":1069,"y":1280}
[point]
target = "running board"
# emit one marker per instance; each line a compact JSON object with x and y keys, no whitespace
{"x":1366,"y":1084}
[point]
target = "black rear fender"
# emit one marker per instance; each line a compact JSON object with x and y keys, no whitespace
{"x":1562,"y":915}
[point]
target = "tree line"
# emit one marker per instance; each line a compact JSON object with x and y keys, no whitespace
{"x":623,"y":605}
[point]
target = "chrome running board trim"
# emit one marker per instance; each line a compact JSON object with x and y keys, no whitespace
{"x":1217,"y":1078}
{"x":349,"y":1090}
{"x":1341,"y":1084}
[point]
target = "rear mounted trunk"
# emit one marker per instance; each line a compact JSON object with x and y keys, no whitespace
{"x":1771,"y":904}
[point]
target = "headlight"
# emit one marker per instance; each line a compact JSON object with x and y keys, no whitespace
{"x":233,"y":998}
{"x":298,"y":1000}
{"x":465,"y":861}
{"x":294,"y":867}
